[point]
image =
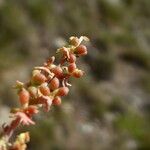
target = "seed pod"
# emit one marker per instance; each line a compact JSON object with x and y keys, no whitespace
{"x":62,"y":91}
{"x":33,"y":91}
{"x":39,"y":78}
{"x":77,"y":73}
{"x":44,"y":89}
{"x":24,"y":96}
{"x":81,"y":50}
{"x":54,"y":84}
{"x":72,"y":58}
{"x":57,"y":71}
{"x":57,"y":100}
{"x":71,"y":67}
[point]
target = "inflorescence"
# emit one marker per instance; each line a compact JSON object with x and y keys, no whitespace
{"x":48,"y":84}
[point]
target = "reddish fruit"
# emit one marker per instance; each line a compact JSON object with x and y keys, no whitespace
{"x":81,"y":50}
{"x":57,"y":71}
{"x":72,"y":58}
{"x":71,"y":67}
{"x":31,"y":110}
{"x":54,"y":84}
{"x":44,"y":89}
{"x":78,"y":73}
{"x":57,"y":100}
{"x":63,"y":91}
{"x":39,"y":78}
{"x":24,"y":96}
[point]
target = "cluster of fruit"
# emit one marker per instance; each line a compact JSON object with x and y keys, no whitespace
{"x":48,"y":84}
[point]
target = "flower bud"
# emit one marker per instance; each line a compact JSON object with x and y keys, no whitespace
{"x":44,"y":89}
{"x":71,"y":67}
{"x":62,"y":91}
{"x":57,"y":100}
{"x":81,"y":50}
{"x":77,"y":73}
{"x":54,"y":84}
{"x":24,"y":96}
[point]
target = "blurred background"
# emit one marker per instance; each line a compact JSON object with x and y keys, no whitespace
{"x":108,"y":109}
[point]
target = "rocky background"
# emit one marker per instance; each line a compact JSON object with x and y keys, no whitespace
{"x":108,"y":109}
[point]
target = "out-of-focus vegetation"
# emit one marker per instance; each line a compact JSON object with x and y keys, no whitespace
{"x":107,"y":109}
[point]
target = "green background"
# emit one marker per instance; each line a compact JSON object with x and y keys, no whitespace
{"x":108,"y":109}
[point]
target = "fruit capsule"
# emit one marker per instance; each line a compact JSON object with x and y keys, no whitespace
{"x":81,"y":50}
{"x":57,"y":100}
{"x":31,"y":110}
{"x":39,"y":78}
{"x":54,"y":84}
{"x":77,"y":73}
{"x":71,"y":67}
{"x":72,"y":58}
{"x":24,"y":96}
{"x":62,"y":91}
{"x":57,"y":71}
{"x":44,"y":89}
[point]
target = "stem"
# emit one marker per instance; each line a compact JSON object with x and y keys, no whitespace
{"x":9,"y":129}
